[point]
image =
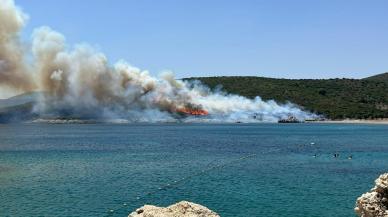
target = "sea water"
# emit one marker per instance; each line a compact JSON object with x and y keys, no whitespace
{"x":112,"y":169}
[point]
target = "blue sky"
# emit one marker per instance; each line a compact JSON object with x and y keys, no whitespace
{"x":272,"y":38}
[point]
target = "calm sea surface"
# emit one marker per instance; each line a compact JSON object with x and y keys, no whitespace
{"x":86,"y":170}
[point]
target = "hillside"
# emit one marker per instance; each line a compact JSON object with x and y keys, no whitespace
{"x":21,"y":99}
{"x":334,"y":98}
{"x":18,"y":107}
{"x":379,"y":77}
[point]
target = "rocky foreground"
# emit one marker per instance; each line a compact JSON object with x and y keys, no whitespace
{"x":181,"y":209}
{"x":375,"y":202}
{"x":371,"y":204}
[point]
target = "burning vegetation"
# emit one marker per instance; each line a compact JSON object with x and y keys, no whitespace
{"x":192,"y":110}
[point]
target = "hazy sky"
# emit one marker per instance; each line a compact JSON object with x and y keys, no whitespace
{"x":274,"y":38}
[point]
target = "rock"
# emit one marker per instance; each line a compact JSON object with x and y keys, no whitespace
{"x":181,"y":209}
{"x":375,"y":202}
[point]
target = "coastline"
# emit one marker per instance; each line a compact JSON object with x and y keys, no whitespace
{"x":352,"y":121}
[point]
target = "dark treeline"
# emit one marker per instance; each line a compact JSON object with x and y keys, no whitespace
{"x":334,"y":98}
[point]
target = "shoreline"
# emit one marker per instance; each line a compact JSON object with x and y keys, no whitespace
{"x":352,"y":121}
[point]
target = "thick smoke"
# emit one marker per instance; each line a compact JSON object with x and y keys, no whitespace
{"x":13,"y":71}
{"x":80,"y":83}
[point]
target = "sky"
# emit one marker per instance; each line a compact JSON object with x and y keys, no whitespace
{"x":271,"y":38}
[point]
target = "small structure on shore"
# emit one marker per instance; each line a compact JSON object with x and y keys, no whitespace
{"x":290,"y":119}
{"x":181,"y":209}
{"x":375,"y":202}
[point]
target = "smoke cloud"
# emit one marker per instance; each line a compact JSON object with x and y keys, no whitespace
{"x":81,"y":83}
{"x":13,"y":72}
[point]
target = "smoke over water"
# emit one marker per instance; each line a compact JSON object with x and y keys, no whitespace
{"x":80,"y":83}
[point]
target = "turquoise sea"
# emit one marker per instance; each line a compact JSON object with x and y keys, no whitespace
{"x":111,"y":169}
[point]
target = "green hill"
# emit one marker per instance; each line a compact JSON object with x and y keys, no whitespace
{"x":334,"y":98}
{"x":379,"y":77}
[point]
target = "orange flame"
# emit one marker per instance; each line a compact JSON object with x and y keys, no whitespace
{"x":192,"y":111}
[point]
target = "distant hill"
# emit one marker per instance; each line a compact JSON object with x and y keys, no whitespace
{"x":20,"y":99}
{"x":334,"y":98}
{"x":18,"y":108}
{"x":379,"y":77}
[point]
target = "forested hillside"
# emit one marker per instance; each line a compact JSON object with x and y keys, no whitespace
{"x":335,"y":98}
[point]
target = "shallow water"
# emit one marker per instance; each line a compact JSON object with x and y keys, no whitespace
{"x":85,"y":170}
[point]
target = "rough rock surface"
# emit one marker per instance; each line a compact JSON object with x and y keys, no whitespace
{"x":181,"y":209}
{"x":375,"y":202}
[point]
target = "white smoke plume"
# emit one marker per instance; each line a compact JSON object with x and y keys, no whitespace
{"x":80,"y":83}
